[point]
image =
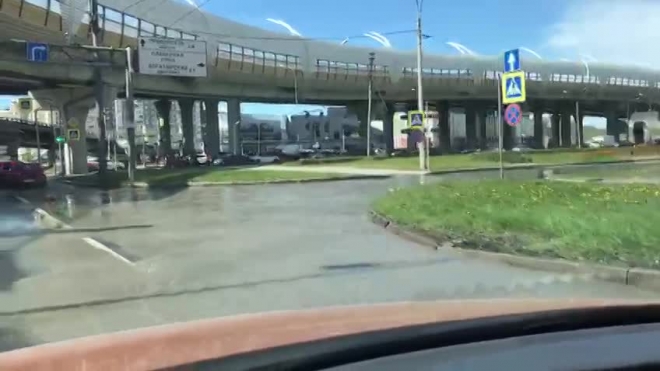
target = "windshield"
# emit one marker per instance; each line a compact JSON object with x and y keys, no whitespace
{"x":189,"y":161}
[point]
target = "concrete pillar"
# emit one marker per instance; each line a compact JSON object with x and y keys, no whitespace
{"x":233,"y":121}
{"x":566,"y":141}
{"x":388,"y":111}
{"x":538,"y":129}
{"x":12,"y":150}
{"x":75,"y":152}
{"x":187,"y":126}
{"x":361,"y":110}
{"x":211,"y":127}
{"x":509,"y":133}
{"x":163,"y":107}
{"x":481,"y":127}
{"x":612,"y":124}
{"x":579,"y":122}
{"x":74,"y":105}
{"x":471,"y":124}
{"x":554,"y":131}
{"x":443,"y":126}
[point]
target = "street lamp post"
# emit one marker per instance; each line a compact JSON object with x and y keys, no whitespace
{"x":372,"y":56}
{"x":420,"y":93}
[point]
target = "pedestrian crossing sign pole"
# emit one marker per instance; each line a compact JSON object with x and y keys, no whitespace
{"x":513,"y":87}
{"x":510,"y":89}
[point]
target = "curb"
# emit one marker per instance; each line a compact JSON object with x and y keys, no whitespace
{"x":638,"y":277}
{"x":43,"y":216}
{"x":230,"y":183}
{"x":536,"y":166}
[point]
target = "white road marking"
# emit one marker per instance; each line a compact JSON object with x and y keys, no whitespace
{"x":100,"y":246}
{"x":89,"y":240}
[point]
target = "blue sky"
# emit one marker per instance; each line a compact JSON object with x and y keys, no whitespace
{"x":556,"y":29}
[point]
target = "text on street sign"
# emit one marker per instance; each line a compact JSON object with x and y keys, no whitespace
{"x":172,"y":57}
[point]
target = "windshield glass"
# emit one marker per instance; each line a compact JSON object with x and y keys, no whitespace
{"x":193,"y":160}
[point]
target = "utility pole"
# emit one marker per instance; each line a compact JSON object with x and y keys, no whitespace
{"x":423,"y":162}
{"x":372,"y":56}
{"x":99,"y":93}
{"x":130,"y":117}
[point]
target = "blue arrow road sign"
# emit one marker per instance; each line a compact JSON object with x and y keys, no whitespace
{"x":37,"y":52}
{"x":512,"y":60}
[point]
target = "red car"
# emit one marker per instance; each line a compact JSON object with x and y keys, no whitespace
{"x":20,"y":174}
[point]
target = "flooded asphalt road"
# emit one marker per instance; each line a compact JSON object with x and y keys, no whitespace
{"x":141,"y":258}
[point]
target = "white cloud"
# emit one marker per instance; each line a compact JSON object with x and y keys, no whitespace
{"x":616,"y":31}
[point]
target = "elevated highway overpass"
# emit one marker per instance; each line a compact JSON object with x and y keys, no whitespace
{"x":250,"y":64}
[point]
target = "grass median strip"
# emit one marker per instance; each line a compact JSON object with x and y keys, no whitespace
{"x":630,"y":171}
{"x":488,"y":159}
{"x":577,"y":221}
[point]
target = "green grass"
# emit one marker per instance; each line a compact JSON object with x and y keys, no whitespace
{"x":162,"y":177}
{"x":576,"y":221}
{"x":488,"y":159}
{"x":630,"y":171}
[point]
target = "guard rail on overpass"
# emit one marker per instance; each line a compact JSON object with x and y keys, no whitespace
{"x":319,"y":70}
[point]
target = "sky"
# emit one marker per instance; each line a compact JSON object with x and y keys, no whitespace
{"x":609,"y":31}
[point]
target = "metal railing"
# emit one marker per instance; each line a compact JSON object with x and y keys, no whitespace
{"x":130,"y":27}
{"x":5,"y":120}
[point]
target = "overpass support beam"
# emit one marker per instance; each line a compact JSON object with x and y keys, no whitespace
{"x":12,"y":150}
{"x":74,"y":104}
{"x":163,"y":108}
{"x":75,"y":152}
{"x":444,"y":132}
{"x":508,"y":137}
{"x":360,"y":109}
{"x":554,"y":131}
{"x":234,"y":123}
{"x":471,"y":126}
{"x":211,"y":127}
{"x":613,"y":125}
{"x":187,"y":125}
{"x":480,"y":122}
{"x":386,"y":113}
{"x":539,"y":132}
{"x":566,"y":137}
{"x":579,"y":122}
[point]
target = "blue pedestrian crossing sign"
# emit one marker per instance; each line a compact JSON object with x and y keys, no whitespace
{"x":512,"y":61}
{"x":513,"y":87}
{"x":416,"y":119}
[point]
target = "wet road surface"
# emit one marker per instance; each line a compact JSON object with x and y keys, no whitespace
{"x":137,"y":258}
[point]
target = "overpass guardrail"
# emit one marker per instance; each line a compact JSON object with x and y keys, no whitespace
{"x":120,"y":29}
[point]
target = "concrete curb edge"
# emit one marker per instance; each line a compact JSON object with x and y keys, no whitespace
{"x":534,"y":166}
{"x":638,"y":277}
{"x":217,"y":184}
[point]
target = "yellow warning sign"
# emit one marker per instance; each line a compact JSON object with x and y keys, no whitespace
{"x":72,"y":123}
{"x":73,"y":134}
{"x":416,"y":119}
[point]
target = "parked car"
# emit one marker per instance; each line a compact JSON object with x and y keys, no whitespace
{"x":15,"y":174}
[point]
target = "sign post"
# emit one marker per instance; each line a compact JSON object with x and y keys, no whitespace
{"x":172,"y":57}
{"x":511,"y":90}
